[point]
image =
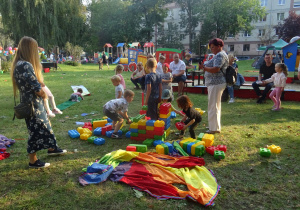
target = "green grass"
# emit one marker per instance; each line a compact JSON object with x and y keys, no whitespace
{"x":248,"y":181}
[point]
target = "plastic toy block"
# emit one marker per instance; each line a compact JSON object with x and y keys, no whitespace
{"x":108,"y":124}
{"x":156,"y":137}
{"x":197,"y":143}
{"x":92,"y":121}
{"x":173,"y":115}
{"x":100,"y":123}
{"x":264,"y":152}
{"x":137,"y":118}
{"x":168,"y":132}
{"x":89,"y":124}
{"x":106,"y":128}
{"x":143,"y":112}
{"x":208,"y":139}
{"x":91,"y":139}
{"x":150,"y":128}
{"x":109,"y":120}
{"x":74,"y":134}
{"x":85,"y":136}
{"x":184,"y":146}
{"x":145,"y":107}
{"x":200,"y":111}
{"x":142,"y":122}
{"x":139,"y":147}
{"x":211,"y":149}
{"x":165,"y":106}
{"x":159,"y":123}
{"x":274,"y":149}
{"x":177,"y":120}
{"x":98,"y":131}
{"x":218,"y":155}
{"x":200,"y":136}
{"x":134,"y":134}
{"x":189,"y":147}
{"x":170,"y":146}
{"x":160,"y":149}
{"x":159,"y":129}
{"x":159,"y":133}
{"x":124,"y":130}
{"x":166,"y":149}
{"x":99,"y":141}
{"x":134,"y":130}
{"x":164,"y":112}
{"x":142,"y":127}
{"x":134,"y":125}
{"x":168,"y":125}
{"x":88,"y":127}
{"x":142,"y":135}
{"x":157,"y":142}
{"x":164,"y":136}
{"x":179,"y":149}
{"x":150,"y":123}
{"x":150,"y":132}
{"x":131,"y":148}
{"x":128,"y":134}
{"x":148,"y":142}
{"x":104,"y":117}
{"x":142,"y":131}
{"x":185,"y":140}
{"x":179,"y":125}
{"x":86,"y":130}
{"x":199,"y":150}
{"x":165,"y":115}
{"x":109,"y":133}
{"x":222,"y":148}
{"x":80,"y":130}
{"x":137,"y":138}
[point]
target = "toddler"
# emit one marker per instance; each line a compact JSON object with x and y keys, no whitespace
{"x":159,"y":68}
{"x":119,"y":69}
{"x":74,"y":96}
{"x":100,"y":62}
{"x":119,"y":90}
{"x":279,"y":80}
{"x":166,"y":97}
{"x":191,"y":118}
{"x":166,"y":79}
{"x":116,"y":110}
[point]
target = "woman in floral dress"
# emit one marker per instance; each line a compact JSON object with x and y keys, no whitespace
{"x":27,"y":78}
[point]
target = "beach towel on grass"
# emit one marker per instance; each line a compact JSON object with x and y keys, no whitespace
{"x":67,"y":104}
{"x":85,"y":91}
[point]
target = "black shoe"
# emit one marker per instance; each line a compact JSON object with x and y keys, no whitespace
{"x":115,"y":136}
{"x":260,"y":100}
{"x":57,"y":151}
{"x":39,"y":164}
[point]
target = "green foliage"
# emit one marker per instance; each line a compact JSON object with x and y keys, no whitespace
{"x":169,"y":38}
{"x":72,"y":63}
{"x":6,"y":65}
{"x":43,"y":57}
{"x":289,"y":28}
{"x":74,"y":50}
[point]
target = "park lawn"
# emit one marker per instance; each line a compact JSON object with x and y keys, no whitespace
{"x":247,"y":180}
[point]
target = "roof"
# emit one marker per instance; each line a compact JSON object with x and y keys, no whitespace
{"x":107,"y":45}
{"x":278,"y":45}
{"x":149,"y":44}
{"x":136,"y":44}
{"x":168,"y":50}
{"x":121,"y":44}
{"x":297,"y":40}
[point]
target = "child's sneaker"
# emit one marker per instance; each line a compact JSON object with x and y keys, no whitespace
{"x":39,"y":164}
{"x":56,"y":111}
{"x":57,"y":151}
{"x":275,"y":110}
{"x":231,"y":101}
{"x":115,"y":136}
{"x":50,"y":114}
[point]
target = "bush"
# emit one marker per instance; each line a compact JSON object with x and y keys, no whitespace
{"x":5,"y":65}
{"x":72,"y":63}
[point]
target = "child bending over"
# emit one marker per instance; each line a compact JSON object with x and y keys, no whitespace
{"x":119,"y":69}
{"x":191,"y":118}
{"x":117,"y":109}
{"x":119,"y":90}
{"x":166,"y":97}
{"x":74,"y":96}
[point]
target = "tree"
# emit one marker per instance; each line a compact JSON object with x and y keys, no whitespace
{"x":169,"y":38}
{"x":289,"y":28}
{"x":5,"y":41}
{"x":74,"y":50}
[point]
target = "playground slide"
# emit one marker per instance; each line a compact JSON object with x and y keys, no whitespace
{"x":116,"y":61}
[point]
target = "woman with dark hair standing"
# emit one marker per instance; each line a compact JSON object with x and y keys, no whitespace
{"x":27,"y":79}
{"x":215,"y":81}
{"x":104,"y":60}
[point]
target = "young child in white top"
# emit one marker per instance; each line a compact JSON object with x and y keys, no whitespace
{"x":119,"y":90}
{"x":159,"y":68}
{"x":119,"y":69}
{"x":279,"y":80}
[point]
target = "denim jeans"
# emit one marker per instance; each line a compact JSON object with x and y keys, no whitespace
{"x":230,"y":91}
{"x":239,"y":80}
{"x":266,"y":90}
{"x":140,"y":81}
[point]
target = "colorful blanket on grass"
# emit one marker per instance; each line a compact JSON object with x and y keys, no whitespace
{"x":4,"y":144}
{"x":156,"y":174}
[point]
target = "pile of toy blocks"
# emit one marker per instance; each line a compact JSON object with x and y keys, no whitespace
{"x":266,"y":152}
{"x":165,"y":115}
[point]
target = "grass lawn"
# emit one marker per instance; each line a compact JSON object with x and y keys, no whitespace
{"x":248,"y":181}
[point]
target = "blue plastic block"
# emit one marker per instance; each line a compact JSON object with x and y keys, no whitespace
{"x":128,"y":134}
{"x":167,"y":126}
{"x":150,"y":123}
{"x":120,"y":132}
{"x":170,"y":147}
{"x":98,"y":131}
{"x":173,"y":115}
{"x":74,"y":134}
{"x":99,"y":141}
{"x":109,"y":120}
{"x":134,"y":130}
{"x":109,"y":133}
{"x":108,"y":124}
{"x":189,"y":148}
{"x":157,"y":142}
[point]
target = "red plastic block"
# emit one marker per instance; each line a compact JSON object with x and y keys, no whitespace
{"x":158,"y":129}
{"x":211,"y":150}
{"x":164,"y":107}
{"x":222,"y":148}
{"x":88,"y":124}
{"x":131,"y":148}
{"x":179,"y":125}
{"x":159,"y":133}
{"x":143,"y":112}
{"x":164,"y":111}
{"x":106,"y":128}
{"x":142,"y":127}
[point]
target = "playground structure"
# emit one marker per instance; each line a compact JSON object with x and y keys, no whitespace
{"x":121,"y":50}
{"x":149,"y":48}
{"x":135,"y":45}
{"x":168,"y":53}
{"x":133,"y":57}
{"x":291,"y":54}
{"x":109,"y":48}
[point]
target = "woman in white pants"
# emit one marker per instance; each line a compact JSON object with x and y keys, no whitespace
{"x":216,"y":83}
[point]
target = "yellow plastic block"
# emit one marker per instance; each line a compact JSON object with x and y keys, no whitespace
{"x":86,"y":130}
{"x":208,"y":139}
{"x":200,"y":111}
{"x":134,"y":125}
{"x":274,"y":149}
{"x":99,"y":123}
{"x":85,"y":136}
{"x":105,"y":117}
{"x":142,"y":122}
{"x":80,"y":130}
{"x":160,"y":149}
{"x":195,"y":145}
{"x":165,"y":115}
{"x":150,"y":128}
{"x":168,"y":131}
{"x":185,"y":140}
{"x":159,"y":123}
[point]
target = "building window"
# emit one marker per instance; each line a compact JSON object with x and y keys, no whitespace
{"x":246,"y":47}
{"x":280,"y":16}
{"x":260,"y":45}
{"x":182,"y":36}
{"x":230,"y":47}
{"x":263,"y":3}
{"x":263,"y":19}
{"x":261,"y":32}
{"x":193,"y":36}
{"x":247,"y":34}
{"x":281,"y":2}
{"x":297,"y":5}
{"x":230,"y":35}
{"x":276,"y":32}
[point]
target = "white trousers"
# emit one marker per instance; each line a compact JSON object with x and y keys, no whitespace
{"x":214,"y":106}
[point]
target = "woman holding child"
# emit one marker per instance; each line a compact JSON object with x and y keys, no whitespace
{"x":216,"y":83}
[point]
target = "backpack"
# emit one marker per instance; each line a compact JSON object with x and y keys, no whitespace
{"x":230,"y":75}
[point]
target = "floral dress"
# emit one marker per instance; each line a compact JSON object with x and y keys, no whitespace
{"x":41,"y":135}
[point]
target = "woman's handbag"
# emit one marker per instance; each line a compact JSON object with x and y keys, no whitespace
{"x":23,"y":110}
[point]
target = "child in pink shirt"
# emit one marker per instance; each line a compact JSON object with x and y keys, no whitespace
{"x":119,"y":69}
{"x":74,"y":96}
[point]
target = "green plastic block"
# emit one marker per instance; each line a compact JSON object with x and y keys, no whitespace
{"x":164,"y":136}
{"x":138,"y":117}
{"x":184,"y":146}
{"x":124,"y":130}
{"x":265,"y":152}
{"x":157,"y":137}
{"x":92,"y":121}
{"x":199,"y":150}
{"x":166,"y":149}
{"x":178,"y":147}
{"x":134,"y":134}
{"x":139,"y":147}
{"x":177,"y":120}
{"x":218,"y":155}
{"x":200,"y":136}
{"x":148,"y":142}
{"x":145,"y":108}
{"x":142,"y":131}
{"x":91,"y":139}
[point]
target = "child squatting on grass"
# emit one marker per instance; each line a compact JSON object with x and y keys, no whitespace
{"x":119,"y":69}
{"x":119,"y":90}
{"x":166,"y":97}
{"x":279,"y":79}
{"x":74,"y":96}
{"x":117,"y":109}
{"x":191,"y":118}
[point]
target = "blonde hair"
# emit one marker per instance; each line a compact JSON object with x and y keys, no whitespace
{"x":188,"y":55}
{"x":119,"y":68}
{"x":151,"y":63}
{"x":230,"y":56}
{"x":283,"y":67}
{"x":27,"y":51}
{"x":162,"y":57}
{"x":116,"y":78}
{"x":128,"y":93}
